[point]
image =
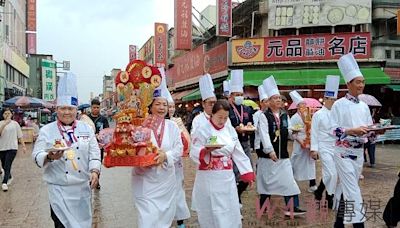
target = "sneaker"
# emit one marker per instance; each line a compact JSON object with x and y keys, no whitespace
{"x":296,"y":211}
{"x":312,"y":188}
{"x":4,"y":187}
{"x":371,"y":166}
{"x":10,"y":180}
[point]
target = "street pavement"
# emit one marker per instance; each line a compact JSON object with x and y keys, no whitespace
{"x":26,"y":203}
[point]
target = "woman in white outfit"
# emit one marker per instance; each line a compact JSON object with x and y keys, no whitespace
{"x":154,"y":187}
{"x":215,"y":197}
{"x":182,"y":209}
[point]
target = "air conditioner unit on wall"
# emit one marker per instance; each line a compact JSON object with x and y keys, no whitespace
{"x":263,"y":7}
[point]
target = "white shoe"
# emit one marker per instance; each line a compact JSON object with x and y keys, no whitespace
{"x":312,"y":188}
{"x":10,"y":180}
{"x":4,"y":187}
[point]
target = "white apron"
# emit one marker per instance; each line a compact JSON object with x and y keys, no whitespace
{"x":216,"y":199}
{"x":349,"y":171}
{"x":182,"y":209}
{"x":70,"y":204}
{"x":276,"y":178}
{"x":154,"y":188}
{"x":303,"y":164}
{"x":329,"y":173}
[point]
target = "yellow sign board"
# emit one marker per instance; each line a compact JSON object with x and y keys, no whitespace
{"x":247,"y":50}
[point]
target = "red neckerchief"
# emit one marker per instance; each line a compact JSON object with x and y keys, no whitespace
{"x":215,"y":126}
{"x":159,"y":137}
{"x":237,"y":114}
{"x":70,"y":132}
{"x":153,"y":122}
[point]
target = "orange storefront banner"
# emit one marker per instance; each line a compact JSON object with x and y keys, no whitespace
{"x":247,"y":50}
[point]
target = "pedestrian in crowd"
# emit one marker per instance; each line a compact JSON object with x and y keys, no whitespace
{"x":208,"y":100}
{"x":155,"y":187}
{"x":214,"y":149}
{"x":36,"y":128}
{"x":370,"y":146}
{"x":323,"y":143}
{"x":240,"y":116}
{"x":274,"y":170}
{"x":68,"y":151}
{"x":83,"y":116}
{"x":182,"y":209}
{"x":100,"y":122}
{"x":263,"y":97}
{"x":391,"y":214}
{"x":351,"y":118}
{"x":303,"y":160}
{"x":10,"y":133}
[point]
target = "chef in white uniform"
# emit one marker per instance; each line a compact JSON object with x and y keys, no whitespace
{"x":274,"y":170}
{"x":351,"y":118}
{"x":155,"y":187}
{"x":182,"y":209}
{"x":215,"y":197}
{"x":226,"y":89}
{"x":263,"y":97}
{"x":208,"y":101}
{"x":322,"y":141}
{"x":302,"y":161}
{"x":71,"y":173}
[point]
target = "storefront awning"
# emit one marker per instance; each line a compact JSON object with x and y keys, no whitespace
{"x":178,"y":95}
{"x":195,"y":95}
{"x":307,"y":77}
{"x":394,"y":87}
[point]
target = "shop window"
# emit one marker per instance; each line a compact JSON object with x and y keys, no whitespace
{"x":388,"y":54}
{"x":397,"y":54}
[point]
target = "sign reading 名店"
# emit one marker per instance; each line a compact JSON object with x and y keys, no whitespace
{"x":307,"y":13}
{"x":183,"y":25}
{"x":48,"y":79}
{"x":224,"y":18}
{"x":301,"y":48}
{"x":132,"y":52}
{"x":160,"y":44}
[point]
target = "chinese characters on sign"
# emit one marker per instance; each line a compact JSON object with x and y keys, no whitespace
{"x":48,"y":80}
{"x":132,"y":52}
{"x":183,"y":25}
{"x":306,"y":47}
{"x":160,"y":44}
{"x":31,"y":15}
{"x":216,"y":59}
{"x":224,"y":18}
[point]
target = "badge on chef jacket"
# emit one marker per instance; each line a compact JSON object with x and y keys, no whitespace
{"x":84,"y":136}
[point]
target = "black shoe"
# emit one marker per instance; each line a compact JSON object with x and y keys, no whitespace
{"x":296,"y":211}
{"x":329,"y":198}
{"x":318,"y":195}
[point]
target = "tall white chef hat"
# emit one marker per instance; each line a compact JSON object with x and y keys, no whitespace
{"x":348,"y":67}
{"x":206,"y":87}
{"x":226,"y":88}
{"x":67,"y":91}
{"x":296,"y":97}
{"x":236,"y":82}
{"x":270,"y":86}
{"x":332,"y":86}
{"x":261,"y":93}
{"x":162,"y":90}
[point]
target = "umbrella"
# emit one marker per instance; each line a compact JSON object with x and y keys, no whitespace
{"x":83,"y":106}
{"x":310,"y":102}
{"x":26,"y":102}
{"x":46,"y":110}
{"x":251,"y":103}
{"x":369,"y":100}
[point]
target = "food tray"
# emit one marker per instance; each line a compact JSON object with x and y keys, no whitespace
{"x":133,"y":161}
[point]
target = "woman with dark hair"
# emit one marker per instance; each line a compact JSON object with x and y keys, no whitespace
{"x":154,"y":187}
{"x":215,"y":146}
{"x":10,"y":133}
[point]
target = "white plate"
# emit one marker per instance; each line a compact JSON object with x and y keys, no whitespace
{"x":214,"y":146}
{"x":59,"y":149}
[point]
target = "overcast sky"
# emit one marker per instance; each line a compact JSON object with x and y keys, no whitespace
{"x":94,"y":34}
